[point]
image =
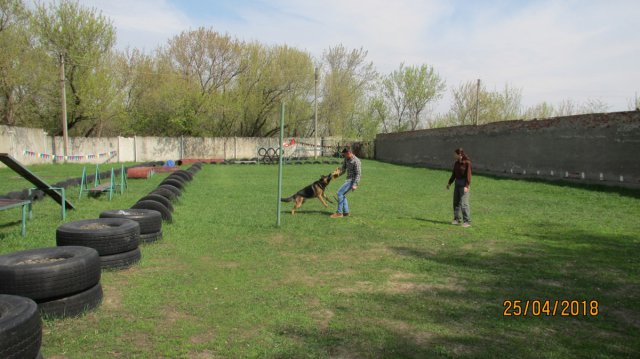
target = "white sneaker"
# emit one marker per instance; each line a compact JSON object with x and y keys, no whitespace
{"x":455,"y":221}
{"x":466,"y":225}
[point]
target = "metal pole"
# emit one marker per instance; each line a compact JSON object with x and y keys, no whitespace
{"x":477,"y":101}
{"x":280,"y":163}
{"x":315,"y":121}
{"x":65,"y":136}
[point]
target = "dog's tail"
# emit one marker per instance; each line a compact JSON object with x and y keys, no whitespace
{"x":288,"y":199}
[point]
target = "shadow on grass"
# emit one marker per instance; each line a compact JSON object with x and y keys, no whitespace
{"x":464,"y":316}
{"x":428,"y":220}
{"x":308,"y":212}
{"x":561,"y":182}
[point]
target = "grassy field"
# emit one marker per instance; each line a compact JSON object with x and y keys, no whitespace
{"x":395,"y":280}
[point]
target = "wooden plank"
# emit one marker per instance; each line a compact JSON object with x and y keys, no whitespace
{"x":35,"y":180}
{"x":101,"y":188}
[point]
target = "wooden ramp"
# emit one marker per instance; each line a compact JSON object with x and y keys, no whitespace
{"x":35,"y":180}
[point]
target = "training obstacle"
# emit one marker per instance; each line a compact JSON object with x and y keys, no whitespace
{"x":52,"y":192}
{"x":98,"y":188}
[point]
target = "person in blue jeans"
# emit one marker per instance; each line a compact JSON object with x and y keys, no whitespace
{"x":461,"y":175}
{"x":351,"y":166}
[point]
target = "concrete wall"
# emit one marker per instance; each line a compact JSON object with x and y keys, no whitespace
{"x":594,"y":148}
{"x":16,"y":140}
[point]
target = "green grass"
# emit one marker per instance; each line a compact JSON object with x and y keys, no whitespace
{"x":395,"y":280}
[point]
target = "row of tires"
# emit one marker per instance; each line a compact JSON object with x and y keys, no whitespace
{"x":64,"y":281}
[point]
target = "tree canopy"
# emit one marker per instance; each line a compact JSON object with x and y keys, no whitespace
{"x":206,"y":83}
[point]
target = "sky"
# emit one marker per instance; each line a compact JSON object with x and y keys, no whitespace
{"x":552,"y":50}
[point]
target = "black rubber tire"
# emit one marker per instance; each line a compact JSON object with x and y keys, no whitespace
{"x":150,"y":237}
{"x":176,"y":191}
{"x":164,"y":193}
{"x":178,"y":178}
{"x":72,"y":305}
{"x":173,"y":182}
{"x":150,"y":221}
{"x":120,"y":235}
{"x":184,"y":174}
{"x":121,"y":260}
{"x":20,"y":327}
{"x":156,"y":206}
{"x":79,"y":270}
{"x":158,"y":198}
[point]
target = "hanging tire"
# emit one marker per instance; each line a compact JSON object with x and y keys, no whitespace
{"x":176,"y":191}
{"x":173,"y":182}
{"x":156,"y":206}
{"x":150,"y":237}
{"x":150,"y":221}
{"x":158,"y":198}
{"x":164,"y":193}
{"x":46,"y":273}
{"x":106,"y":235}
{"x":120,"y":260}
{"x":20,"y":327}
{"x":72,"y":305}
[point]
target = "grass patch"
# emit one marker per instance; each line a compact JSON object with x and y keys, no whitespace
{"x":394,"y":280}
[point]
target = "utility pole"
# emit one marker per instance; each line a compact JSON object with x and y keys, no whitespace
{"x":65,"y":136}
{"x":477,"y":102}
{"x":315,"y":120}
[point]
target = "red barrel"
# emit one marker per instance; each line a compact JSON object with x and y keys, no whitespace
{"x":139,"y":172}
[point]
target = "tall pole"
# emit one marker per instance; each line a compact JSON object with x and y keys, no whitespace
{"x":477,"y":101}
{"x":315,"y":121}
{"x":65,"y":136}
{"x":281,"y":150}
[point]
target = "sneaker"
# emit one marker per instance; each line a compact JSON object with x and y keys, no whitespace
{"x":455,"y":221}
{"x":345,"y":214}
{"x":466,"y":225}
{"x":336,"y":215}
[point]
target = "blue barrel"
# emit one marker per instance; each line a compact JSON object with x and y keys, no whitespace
{"x":169,"y":163}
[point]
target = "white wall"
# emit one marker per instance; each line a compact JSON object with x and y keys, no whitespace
{"x":16,"y":140}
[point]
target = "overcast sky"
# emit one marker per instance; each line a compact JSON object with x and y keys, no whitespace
{"x":552,"y":50}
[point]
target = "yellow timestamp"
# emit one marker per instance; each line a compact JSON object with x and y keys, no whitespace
{"x":550,"y":307}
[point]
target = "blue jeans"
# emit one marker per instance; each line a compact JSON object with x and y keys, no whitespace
{"x":343,"y":204}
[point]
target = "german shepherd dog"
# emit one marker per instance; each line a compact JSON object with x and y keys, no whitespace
{"x":314,"y":190}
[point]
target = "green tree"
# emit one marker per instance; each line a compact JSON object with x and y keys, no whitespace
{"x":83,"y":38}
{"x":409,"y":89}
{"x":493,"y":105}
{"x":23,"y":69}
{"x":347,"y":81}
{"x":539,"y":111}
{"x":273,"y":74}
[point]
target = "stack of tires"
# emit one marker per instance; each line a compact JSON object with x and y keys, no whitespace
{"x":115,"y":239}
{"x":20,"y":328}
{"x":63,"y":281}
